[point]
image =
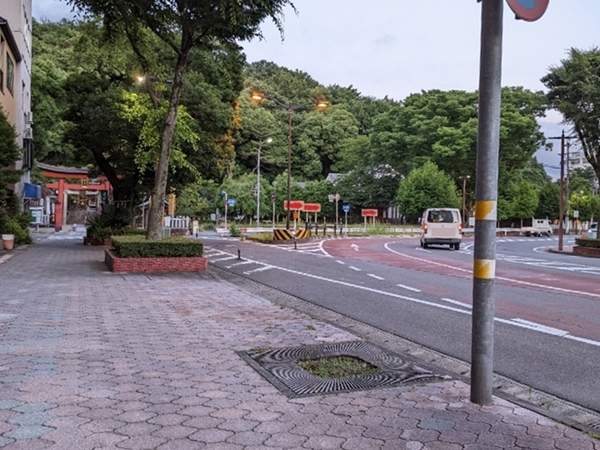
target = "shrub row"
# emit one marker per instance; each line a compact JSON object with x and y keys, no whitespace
{"x":139,"y":247}
{"x":592,"y":243}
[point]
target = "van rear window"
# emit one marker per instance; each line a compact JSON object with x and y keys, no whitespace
{"x":441,"y":217}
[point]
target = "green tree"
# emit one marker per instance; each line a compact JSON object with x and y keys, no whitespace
{"x":548,"y":205}
{"x":574,"y":90}
{"x":525,"y":200}
{"x":426,"y":187}
{"x":320,"y":138}
{"x":10,"y":222}
{"x":441,"y":127}
{"x":183,"y":26}
{"x":373,"y":187}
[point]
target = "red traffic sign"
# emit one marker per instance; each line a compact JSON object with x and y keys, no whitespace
{"x":295,"y":205}
{"x":368,"y":212}
{"x":312,"y":207}
{"x":529,"y":10}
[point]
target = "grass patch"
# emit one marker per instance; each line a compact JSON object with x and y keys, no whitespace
{"x":261,"y":237}
{"x":337,"y":367}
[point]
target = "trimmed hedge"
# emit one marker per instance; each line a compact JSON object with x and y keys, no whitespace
{"x":139,"y":247}
{"x":593,"y":243}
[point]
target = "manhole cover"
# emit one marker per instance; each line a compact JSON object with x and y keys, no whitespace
{"x":279,"y":367}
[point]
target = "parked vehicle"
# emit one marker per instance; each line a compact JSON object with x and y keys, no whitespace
{"x":441,"y":226}
{"x":538,"y":227}
{"x":591,"y":232}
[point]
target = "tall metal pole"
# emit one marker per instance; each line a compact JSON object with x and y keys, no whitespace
{"x":289,"y":169}
{"x":464,"y":199}
{"x":561,"y":200}
{"x":258,"y":187}
{"x":488,"y":145}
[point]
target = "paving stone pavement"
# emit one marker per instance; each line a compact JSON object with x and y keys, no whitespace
{"x":95,"y":360}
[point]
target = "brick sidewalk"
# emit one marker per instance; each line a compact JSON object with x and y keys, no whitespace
{"x":95,"y":360}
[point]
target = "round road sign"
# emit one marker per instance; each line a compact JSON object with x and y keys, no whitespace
{"x":528,"y":10}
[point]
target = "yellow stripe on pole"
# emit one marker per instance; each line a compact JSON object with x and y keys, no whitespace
{"x":484,"y":269}
{"x":486,"y":210}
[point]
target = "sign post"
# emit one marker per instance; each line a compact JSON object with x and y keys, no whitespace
{"x":368,"y":213}
{"x":529,"y":10}
{"x":346,"y":208}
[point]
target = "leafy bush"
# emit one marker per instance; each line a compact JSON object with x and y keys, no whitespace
{"x":139,"y":247}
{"x":111,"y":222}
{"x":18,"y":226}
{"x":209,"y":226}
{"x":265,"y":238}
{"x":593,"y":243}
{"x":234,"y":230}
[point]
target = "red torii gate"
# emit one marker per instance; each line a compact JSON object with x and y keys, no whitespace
{"x":70,"y":178}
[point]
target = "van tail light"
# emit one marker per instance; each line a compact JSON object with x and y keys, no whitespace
{"x":460,"y":228}
{"x":425,"y":228}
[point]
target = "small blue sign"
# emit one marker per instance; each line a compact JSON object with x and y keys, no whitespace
{"x":231,"y":202}
{"x":346,"y":207}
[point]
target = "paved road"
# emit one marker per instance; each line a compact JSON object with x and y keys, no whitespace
{"x":94,"y":360}
{"x":546,"y":337}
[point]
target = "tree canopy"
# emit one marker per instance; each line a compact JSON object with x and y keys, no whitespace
{"x":574,"y":90}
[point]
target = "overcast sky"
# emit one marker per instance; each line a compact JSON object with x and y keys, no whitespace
{"x":397,"y":47}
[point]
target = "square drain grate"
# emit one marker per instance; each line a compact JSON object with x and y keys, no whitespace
{"x":279,"y":367}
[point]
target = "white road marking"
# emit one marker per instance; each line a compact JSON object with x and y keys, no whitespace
{"x":340,"y":262}
{"x":377,"y":277}
{"x":514,"y":322}
{"x":224,"y":259}
{"x":354,"y":246}
{"x":408,"y":288}
{"x":511,"y":280}
{"x":456,"y":302}
{"x":260,"y":269}
{"x":354,"y":268}
{"x":247,"y":261}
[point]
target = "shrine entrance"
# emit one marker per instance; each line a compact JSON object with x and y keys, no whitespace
{"x":72,"y":197}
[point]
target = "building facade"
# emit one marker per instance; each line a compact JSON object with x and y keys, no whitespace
{"x":15,"y":79}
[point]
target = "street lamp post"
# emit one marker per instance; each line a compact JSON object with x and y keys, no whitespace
{"x":268,"y":140}
{"x":259,"y":97}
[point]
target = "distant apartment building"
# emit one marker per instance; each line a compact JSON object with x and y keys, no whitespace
{"x":15,"y":80}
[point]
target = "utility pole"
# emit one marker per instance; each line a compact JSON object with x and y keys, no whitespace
{"x":561,"y":201}
{"x":486,"y":205}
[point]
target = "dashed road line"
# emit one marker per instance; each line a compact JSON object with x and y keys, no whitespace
{"x":409,"y":288}
{"x":377,"y":277}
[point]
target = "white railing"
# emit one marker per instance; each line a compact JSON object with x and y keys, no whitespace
{"x":179,"y":222}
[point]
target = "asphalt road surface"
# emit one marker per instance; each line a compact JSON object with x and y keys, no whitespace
{"x":547,"y":332}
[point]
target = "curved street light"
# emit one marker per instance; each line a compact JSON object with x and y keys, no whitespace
{"x":258,"y":97}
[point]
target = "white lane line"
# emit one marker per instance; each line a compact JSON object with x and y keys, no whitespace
{"x":260,"y":269}
{"x":520,"y":323}
{"x":409,"y":288}
{"x":354,"y":268}
{"x":247,"y":261}
{"x":340,"y":262}
{"x":223,"y":259}
{"x":542,"y":328}
{"x":456,"y":302}
{"x":514,"y":322}
{"x":510,"y":280}
{"x":377,"y":277}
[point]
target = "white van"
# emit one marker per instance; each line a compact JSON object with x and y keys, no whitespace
{"x":441,"y":226}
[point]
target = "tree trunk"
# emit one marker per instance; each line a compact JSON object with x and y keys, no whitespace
{"x":155,"y":215}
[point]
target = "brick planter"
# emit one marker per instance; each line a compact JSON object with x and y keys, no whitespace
{"x":154,"y":265}
{"x":586,"y":251}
